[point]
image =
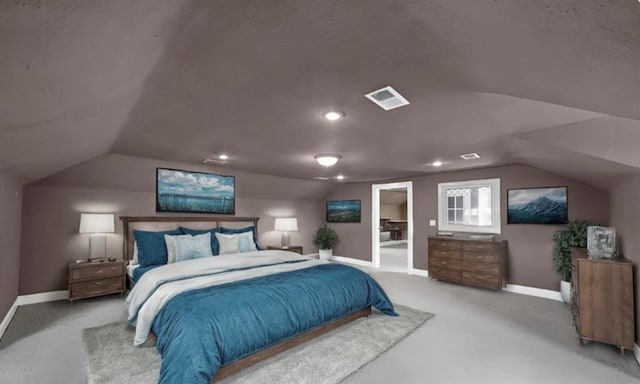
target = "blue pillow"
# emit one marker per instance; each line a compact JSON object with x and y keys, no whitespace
{"x":152,"y":250}
{"x":215,"y":247}
{"x":193,"y":247}
{"x":241,"y":230}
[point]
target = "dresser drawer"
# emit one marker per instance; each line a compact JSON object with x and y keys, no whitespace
{"x":445,"y":263}
{"x":472,"y":257}
{"x":96,"y":287}
{"x":481,"y":279}
{"x":485,"y":268}
{"x":480,"y":247}
{"x":96,"y":271}
{"x":445,"y":253}
{"x":445,"y":274}
{"x":450,"y":244}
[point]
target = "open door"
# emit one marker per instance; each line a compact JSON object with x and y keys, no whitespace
{"x":392,"y":226}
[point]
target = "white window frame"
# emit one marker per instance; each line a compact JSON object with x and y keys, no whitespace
{"x":496,"y":226}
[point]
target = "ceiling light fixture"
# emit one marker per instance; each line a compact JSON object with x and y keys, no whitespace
{"x":327,"y":160}
{"x":340,"y":177}
{"x":437,"y":163}
{"x":470,"y":156}
{"x":333,"y":115}
{"x":223,"y":157}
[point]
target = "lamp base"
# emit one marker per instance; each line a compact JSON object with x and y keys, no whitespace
{"x":285,"y":240}
{"x":97,"y":248}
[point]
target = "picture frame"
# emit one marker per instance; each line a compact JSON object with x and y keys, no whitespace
{"x":601,"y":242}
{"x":344,"y":211}
{"x":539,"y":205}
{"x":194,"y":192}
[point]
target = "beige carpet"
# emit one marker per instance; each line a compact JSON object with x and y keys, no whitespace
{"x":327,"y":359}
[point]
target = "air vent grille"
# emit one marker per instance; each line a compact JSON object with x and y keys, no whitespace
{"x":387,"y":98}
{"x":215,"y":161}
{"x":321,"y":178}
{"x":470,"y":156}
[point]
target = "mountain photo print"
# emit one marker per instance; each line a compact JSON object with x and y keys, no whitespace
{"x":537,"y":206}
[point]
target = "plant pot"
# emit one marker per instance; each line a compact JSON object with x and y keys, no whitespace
{"x":565,"y":291}
{"x":325,"y":254}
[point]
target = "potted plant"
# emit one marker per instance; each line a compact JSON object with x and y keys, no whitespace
{"x":574,"y":236}
{"x":325,"y":238}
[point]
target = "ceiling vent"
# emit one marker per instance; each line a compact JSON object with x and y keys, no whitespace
{"x":387,"y":98}
{"x":470,"y":156}
{"x":321,"y":178}
{"x":215,"y":161}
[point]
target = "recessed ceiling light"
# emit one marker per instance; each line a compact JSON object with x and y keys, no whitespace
{"x":470,"y":156}
{"x":333,"y":115}
{"x":437,"y":163}
{"x":327,"y":160}
{"x":223,"y":157}
{"x":340,"y":177}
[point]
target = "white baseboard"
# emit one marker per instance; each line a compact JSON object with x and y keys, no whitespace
{"x":7,"y":318}
{"x":531,"y":291}
{"x":349,"y":260}
{"x":419,"y":272}
{"x":31,"y":299}
{"x":42,"y":297}
{"x":636,"y":352}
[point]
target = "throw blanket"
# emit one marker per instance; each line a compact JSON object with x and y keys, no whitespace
{"x":239,"y":308}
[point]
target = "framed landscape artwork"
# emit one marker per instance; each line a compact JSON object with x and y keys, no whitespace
{"x":537,"y":206}
{"x":343,"y":211}
{"x":199,"y":192}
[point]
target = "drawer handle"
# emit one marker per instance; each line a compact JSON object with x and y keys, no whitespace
{"x":98,"y":282}
{"x":98,"y":271}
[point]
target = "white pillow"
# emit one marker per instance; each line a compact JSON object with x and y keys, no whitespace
{"x":172,"y":247}
{"x":135,"y":253}
{"x":228,"y":243}
{"x":193,"y":247}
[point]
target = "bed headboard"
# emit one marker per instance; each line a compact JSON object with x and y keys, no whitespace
{"x":165,"y":223}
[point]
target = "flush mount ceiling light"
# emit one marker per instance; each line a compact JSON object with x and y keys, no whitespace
{"x":340,"y":177}
{"x":387,"y":98}
{"x":333,"y":115}
{"x":223,"y":156}
{"x":437,"y":163}
{"x":327,"y":160}
{"x":470,"y":156}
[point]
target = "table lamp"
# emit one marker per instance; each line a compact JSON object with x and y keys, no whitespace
{"x":286,"y":224}
{"x":97,"y":225}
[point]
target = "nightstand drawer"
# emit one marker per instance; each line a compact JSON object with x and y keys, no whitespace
{"x":96,"y":287}
{"x":96,"y":271}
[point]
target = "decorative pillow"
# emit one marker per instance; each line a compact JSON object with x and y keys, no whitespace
{"x":215,"y":248}
{"x":242,"y":230}
{"x":172,"y":250}
{"x":193,"y":247}
{"x":152,"y":249}
{"x":228,"y":243}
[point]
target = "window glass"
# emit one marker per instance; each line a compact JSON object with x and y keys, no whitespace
{"x":469,"y":206}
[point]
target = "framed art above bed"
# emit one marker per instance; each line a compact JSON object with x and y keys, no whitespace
{"x":198,"y":192}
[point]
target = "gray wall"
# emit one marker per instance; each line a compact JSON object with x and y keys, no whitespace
{"x":529,"y":245}
{"x":625,"y":218}
{"x":126,"y":186}
{"x":10,"y":216}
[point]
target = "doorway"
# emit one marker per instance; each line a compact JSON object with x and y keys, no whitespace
{"x":392,"y":226}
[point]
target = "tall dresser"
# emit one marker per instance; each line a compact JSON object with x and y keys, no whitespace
{"x":471,"y":262}
{"x":602,"y":299}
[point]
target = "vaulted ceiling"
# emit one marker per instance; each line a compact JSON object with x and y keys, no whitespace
{"x":553,"y":84}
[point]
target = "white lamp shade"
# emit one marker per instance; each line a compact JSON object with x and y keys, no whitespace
{"x":96,"y":223}
{"x":286,"y":224}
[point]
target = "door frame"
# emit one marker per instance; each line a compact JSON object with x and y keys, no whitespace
{"x":375,"y":220}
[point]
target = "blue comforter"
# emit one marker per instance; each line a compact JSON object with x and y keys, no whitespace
{"x":198,"y":331}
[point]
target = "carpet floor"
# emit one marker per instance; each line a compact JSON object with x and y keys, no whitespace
{"x":328,"y":359}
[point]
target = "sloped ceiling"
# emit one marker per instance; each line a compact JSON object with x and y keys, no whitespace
{"x":553,"y":84}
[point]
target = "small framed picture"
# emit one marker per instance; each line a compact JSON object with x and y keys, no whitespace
{"x":601,"y":242}
{"x":343,"y":211}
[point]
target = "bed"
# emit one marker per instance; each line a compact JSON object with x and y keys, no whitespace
{"x":213,"y":316}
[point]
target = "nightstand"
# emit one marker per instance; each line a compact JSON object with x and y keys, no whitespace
{"x":292,"y":248}
{"x":95,"y":279}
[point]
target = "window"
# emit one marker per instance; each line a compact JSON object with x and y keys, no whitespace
{"x":469,"y":206}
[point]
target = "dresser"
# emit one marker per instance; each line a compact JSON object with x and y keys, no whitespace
{"x":602,"y":300}
{"x":95,"y":279}
{"x":470,"y":262}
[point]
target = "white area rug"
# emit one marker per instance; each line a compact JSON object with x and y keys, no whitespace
{"x":327,"y":359}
